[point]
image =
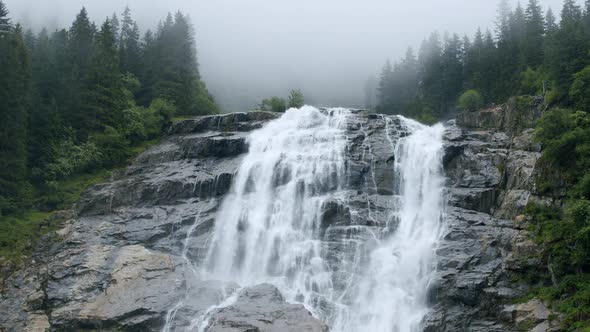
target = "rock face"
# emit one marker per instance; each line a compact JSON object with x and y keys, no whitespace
{"x":126,"y":261}
{"x":490,"y":172}
{"x":263,"y":308}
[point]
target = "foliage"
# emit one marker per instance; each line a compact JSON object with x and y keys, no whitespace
{"x":470,"y":101}
{"x":296,"y":99}
{"x":565,"y":234}
{"x":69,"y":99}
{"x":69,"y":158}
{"x":580,"y":90}
{"x":114,"y":146}
{"x":14,"y":102}
{"x":533,"y":82}
{"x":530,"y":54}
{"x":19,"y":233}
{"x":274,"y":104}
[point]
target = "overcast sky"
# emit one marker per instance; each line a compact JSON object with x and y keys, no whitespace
{"x":249,"y":49}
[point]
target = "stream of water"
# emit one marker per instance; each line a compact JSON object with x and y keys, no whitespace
{"x":269,"y":226}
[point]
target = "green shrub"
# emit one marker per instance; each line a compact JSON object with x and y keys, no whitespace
{"x":470,"y":101}
{"x":113,"y":145}
{"x":69,"y":158}
{"x":580,"y":90}
{"x":533,"y":82}
{"x":274,"y":104}
{"x":204,"y":103}
{"x":296,"y":99}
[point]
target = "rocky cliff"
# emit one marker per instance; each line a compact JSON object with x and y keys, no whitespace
{"x":125,"y":258}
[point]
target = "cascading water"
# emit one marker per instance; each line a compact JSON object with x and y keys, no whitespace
{"x":392,"y":292}
{"x":269,"y":228}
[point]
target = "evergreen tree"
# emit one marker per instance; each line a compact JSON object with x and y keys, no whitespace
{"x":149,"y":69}
{"x":431,"y":75}
{"x":452,"y":72}
{"x":587,"y":17}
{"x":385,"y":87}
{"x":106,"y":97}
{"x":571,"y":13}
{"x":370,"y":90}
{"x":129,"y":46}
{"x":567,"y":50}
{"x":116,"y":27}
{"x":80,"y":51}
{"x":44,"y":115}
{"x":503,"y":22}
{"x":473,"y":61}
{"x":4,"y":20}
{"x":535,"y":30}
{"x":14,"y":103}
{"x":178,"y":78}
{"x":550,"y":22}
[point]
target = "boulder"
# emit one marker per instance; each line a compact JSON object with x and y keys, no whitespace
{"x":262,"y":308}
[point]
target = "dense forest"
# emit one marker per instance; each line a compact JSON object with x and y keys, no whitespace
{"x":530,"y":54}
{"x":79,"y":100}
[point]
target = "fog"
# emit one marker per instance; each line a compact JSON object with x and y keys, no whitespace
{"x":250,"y":49}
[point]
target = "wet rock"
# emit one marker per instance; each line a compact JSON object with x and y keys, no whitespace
{"x":263,"y":308}
{"x":492,"y":118}
{"x":128,"y":255}
{"x":529,"y":316}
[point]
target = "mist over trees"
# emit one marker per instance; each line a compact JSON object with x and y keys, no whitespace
{"x":76,"y":100}
{"x":528,"y":53}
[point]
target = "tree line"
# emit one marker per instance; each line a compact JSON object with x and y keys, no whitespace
{"x":530,"y":53}
{"x":76,"y":100}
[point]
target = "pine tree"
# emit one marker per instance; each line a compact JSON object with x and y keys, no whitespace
{"x":4,"y":20}
{"x":550,"y":23}
{"x":178,"y":78}
{"x":129,"y":46}
{"x":384,"y":88}
{"x":503,"y":22}
{"x":14,"y":103}
{"x":116,"y":27}
{"x":587,"y":17}
{"x":567,"y":49}
{"x":431,"y":74}
{"x":452,"y":72}
{"x":370,"y":90}
{"x":80,"y":51}
{"x":106,"y":97}
{"x":535,"y":30}
{"x":571,"y":13}
{"x":148,"y":70}
{"x":44,"y":117}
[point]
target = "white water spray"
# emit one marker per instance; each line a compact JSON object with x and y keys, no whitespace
{"x":392,"y":293}
{"x":269,"y":226}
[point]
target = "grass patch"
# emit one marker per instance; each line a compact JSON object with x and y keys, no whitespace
{"x":20,"y":232}
{"x":182,"y":118}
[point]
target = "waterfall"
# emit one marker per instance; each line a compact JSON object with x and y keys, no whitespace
{"x":392,"y":292}
{"x":269,"y":227}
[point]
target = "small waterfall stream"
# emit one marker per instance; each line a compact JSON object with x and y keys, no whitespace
{"x":269,"y":227}
{"x":392,"y":292}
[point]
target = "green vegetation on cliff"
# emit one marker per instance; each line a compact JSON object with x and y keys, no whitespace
{"x":564,"y":234}
{"x":77,"y":102}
